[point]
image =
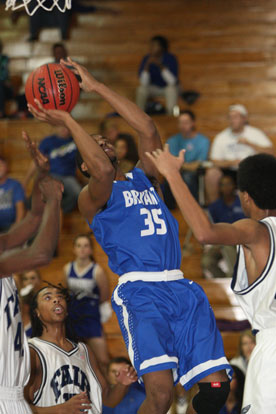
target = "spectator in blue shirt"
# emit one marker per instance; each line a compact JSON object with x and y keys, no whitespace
{"x":219,"y":261}
{"x":11,"y":198}
{"x":197,"y":148}
{"x":61,"y":152}
{"x":135,"y":395}
{"x":158,"y":75}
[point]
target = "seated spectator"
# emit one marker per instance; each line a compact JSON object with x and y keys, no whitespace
{"x":61,"y":152}
{"x":59,"y":52}
{"x":11,"y":198}
{"x":158,"y":75}
{"x":196,"y":146}
{"x":5,"y":90}
{"x":89,"y":283}
{"x":135,"y":395}
{"x":227,"y":209}
{"x":126,"y":152}
{"x":233,"y":403}
{"x":246,"y":345}
{"x":232,"y":145}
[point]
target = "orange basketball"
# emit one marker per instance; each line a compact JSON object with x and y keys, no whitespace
{"x":54,"y":85}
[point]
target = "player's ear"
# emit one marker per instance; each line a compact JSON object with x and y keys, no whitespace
{"x":84,"y":167}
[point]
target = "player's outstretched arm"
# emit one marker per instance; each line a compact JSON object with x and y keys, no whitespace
{"x":41,"y":251}
{"x":102,"y":173}
{"x":113,"y":395}
{"x":149,"y":138}
{"x":244,"y":232}
{"x":26,"y":228}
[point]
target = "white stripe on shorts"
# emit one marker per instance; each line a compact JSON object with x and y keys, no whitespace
{"x":158,"y":360}
{"x":119,"y":302}
{"x":201,"y":368}
{"x":165,"y":276}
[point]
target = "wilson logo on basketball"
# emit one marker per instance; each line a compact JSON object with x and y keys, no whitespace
{"x":42,"y":91}
{"x":61,"y":86}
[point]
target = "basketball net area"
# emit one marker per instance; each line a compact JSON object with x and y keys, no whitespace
{"x":31,"y":7}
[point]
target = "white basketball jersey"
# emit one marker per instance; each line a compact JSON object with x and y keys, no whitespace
{"x":258,"y":300}
{"x":65,"y":374}
{"x":14,"y":350}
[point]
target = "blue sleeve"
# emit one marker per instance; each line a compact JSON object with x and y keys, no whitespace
{"x":142,"y":64}
{"x":171,"y":63}
{"x":44,"y":147}
{"x":204,"y":150}
{"x":213,"y":212}
{"x":18,"y":192}
{"x":173,"y":146}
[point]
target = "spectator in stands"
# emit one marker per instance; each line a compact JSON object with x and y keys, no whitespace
{"x":227,"y":209}
{"x":89,"y":283}
{"x":11,"y":198}
{"x":59,"y":52}
{"x":61,"y":152}
{"x":232,"y":145}
{"x":246,"y":345}
{"x":135,"y":395}
{"x":233,"y":403}
{"x":4,"y":76}
{"x":42,"y":18}
{"x":158,"y":75}
{"x":126,"y":151}
{"x":196,"y":146}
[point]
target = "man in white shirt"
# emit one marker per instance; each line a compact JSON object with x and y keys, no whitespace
{"x":232,"y":145}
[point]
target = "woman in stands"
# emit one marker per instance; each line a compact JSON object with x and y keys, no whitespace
{"x":246,"y":345}
{"x":89,"y":284}
{"x":126,"y":152}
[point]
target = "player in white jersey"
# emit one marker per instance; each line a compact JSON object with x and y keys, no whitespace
{"x":44,"y":218}
{"x":254,"y":280}
{"x":65,"y":376}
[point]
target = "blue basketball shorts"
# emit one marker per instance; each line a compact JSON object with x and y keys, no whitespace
{"x":167,"y":323}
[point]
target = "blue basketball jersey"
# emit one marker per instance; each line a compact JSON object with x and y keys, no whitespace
{"x":135,"y":229}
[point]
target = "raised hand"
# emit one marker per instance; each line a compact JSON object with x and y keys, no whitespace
{"x":126,"y":375}
{"x":52,"y":116}
{"x":51,"y":188}
{"x":88,"y":82}
{"x":165,"y":162}
{"x":76,"y":405}
{"x":41,"y":162}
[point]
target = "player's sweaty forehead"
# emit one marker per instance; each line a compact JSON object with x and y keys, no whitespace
{"x":50,"y":291}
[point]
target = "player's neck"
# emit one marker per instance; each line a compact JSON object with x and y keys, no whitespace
{"x":262,"y":214}
{"x":120,"y":176}
{"x":55,"y":333}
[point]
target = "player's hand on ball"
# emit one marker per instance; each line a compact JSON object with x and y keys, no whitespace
{"x":51,"y":116}
{"x":41,"y":162}
{"x":51,"y":189}
{"x":165,"y":162}
{"x":80,"y":403}
{"x":126,"y":375}
{"x":88,"y":82}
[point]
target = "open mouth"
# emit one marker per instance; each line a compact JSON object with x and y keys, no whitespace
{"x":58,"y":310}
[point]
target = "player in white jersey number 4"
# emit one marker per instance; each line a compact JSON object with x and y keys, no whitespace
{"x":254,"y":280}
{"x":44,"y":219}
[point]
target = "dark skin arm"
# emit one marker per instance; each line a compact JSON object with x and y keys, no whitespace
{"x":73,"y":406}
{"x":25,"y":229}
{"x":249,"y":233}
{"x":41,"y":251}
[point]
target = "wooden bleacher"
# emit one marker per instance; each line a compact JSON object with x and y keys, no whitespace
{"x":227,"y":53}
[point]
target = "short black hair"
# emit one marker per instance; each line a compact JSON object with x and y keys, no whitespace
{"x":191,"y":114}
{"x":56,"y":45}
{"x":119,"y":360}
{"x":132,"y":152}
{"x":256,"y":176}
{"x":163,"y":42}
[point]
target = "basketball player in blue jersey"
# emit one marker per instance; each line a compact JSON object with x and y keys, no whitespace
{"x":167,"y":323}
{"x":44,"y":219}
{"x":254,"y":276}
